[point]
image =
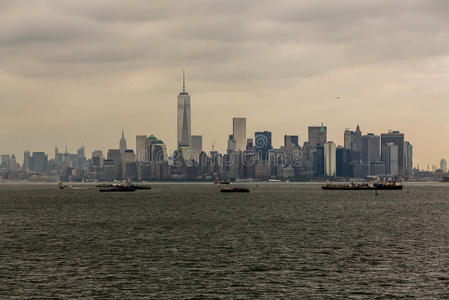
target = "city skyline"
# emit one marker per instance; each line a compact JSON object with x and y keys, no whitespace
{"x":70,"y":75}
{"x":320,"y":129}
{"x":317,"y":135}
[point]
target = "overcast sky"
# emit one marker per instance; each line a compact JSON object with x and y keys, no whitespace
{"x":74,"y":72}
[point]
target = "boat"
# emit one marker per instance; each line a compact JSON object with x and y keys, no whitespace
{"x":65,"y":186}
{"x":234,"y":190}
{"x":363,"y":186}
{"x":140,"y":186}
{"x":274,"y":180}
{"x":244,"y":180}
{"x":222,"y":182}
{"x":118,"y":188}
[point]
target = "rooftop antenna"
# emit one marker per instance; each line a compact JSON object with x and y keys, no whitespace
{"x":183,"y":81}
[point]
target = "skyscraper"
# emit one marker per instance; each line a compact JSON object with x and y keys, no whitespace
{"x":81,"y":152}
{"x":348,"y":138}
{"x":443,"y":165}
{"x":231,"y":144}
{"x":141,"y":149}
{"x":291,"y":141}
{"x":390,"y":159}
{"x":342,"y":161}
{"x":329,"y":159}
{"x":239,"y":132}
{"x":115,"y":157}
{"x":197,"y":143}
{"x":356,"y":144}
{"x":184,"y":123}
{"x":262,"y":144}
{"x":122,"y":144}
{"x":5,"y":161}
{"x":157,"y":151}
{"x":141,"y":155}
{"x":27,"y":160}
{"x":317,"y":135}
{"x":408,"y":158}
{"x":370,"y":155}
{"x":98,"y":158}
{"x":13,"y":165}
{"x":39,"y":162}
{"x":370,"y":148}
{"x":396,"y":138}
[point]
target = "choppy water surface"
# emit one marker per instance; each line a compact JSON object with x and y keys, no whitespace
{"x":189,"y":240}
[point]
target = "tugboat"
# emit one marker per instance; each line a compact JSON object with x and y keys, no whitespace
{"x":118,"y":188}
{"x":122,"y":187}
{"x":364,"y":186}
{"x":234,"y":190}
{"x":65,"y":186}
{"x":140,"y":186}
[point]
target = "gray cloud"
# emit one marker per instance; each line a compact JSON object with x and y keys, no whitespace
{"x":106,"y":50}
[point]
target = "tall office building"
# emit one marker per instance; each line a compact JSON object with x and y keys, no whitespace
{"x":262,"y":140}
{"x":81,"y":152}
{"x":129,"y":167}
{"x":370,"y":156}
{"x":115,"y":156}
{"x":249,"y":144}
{"x":197,"y":144}
{"x":141,"y":149}
{"x":396,"y":138}
{"x":370,"y":148}
{"x":122,"y":144}
{"x":291,"y":141}
{"x":330,"y":159}
{"x":13,"y":165}
{"x":5,"y":161}
{"x":390,"y":159}
{"x":348,"y":138}
{"x":239,"y":132}
{"x":343,"y":168}
{"x":231,"y":144}
{"x":98,"y":158}
{"x":318,"y":161}
{"x":356,"y":144}
{"x":39,"y":162}
{"x":353,"y":139}
{"x":443,"y":165}
{"x":157,"y":151}
{"x":408,"y":158}
{"x":317,"y":135}
{"x":27,"y":161}
{"x":184,"y":121}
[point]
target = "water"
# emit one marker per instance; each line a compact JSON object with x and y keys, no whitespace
{"x":189,"y":240}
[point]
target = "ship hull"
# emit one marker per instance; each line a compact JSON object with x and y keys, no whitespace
{"x":363,"y":188}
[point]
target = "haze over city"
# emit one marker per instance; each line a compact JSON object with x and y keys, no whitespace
{"x":74,"y":73}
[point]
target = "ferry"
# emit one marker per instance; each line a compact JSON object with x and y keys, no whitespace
{"x":234,"y":190}
{"x":364,"y":186}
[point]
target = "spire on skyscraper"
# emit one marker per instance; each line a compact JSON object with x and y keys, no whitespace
{"x":184,"y":132}
{"x":122,"y":144}
{"x":183,"y":81}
